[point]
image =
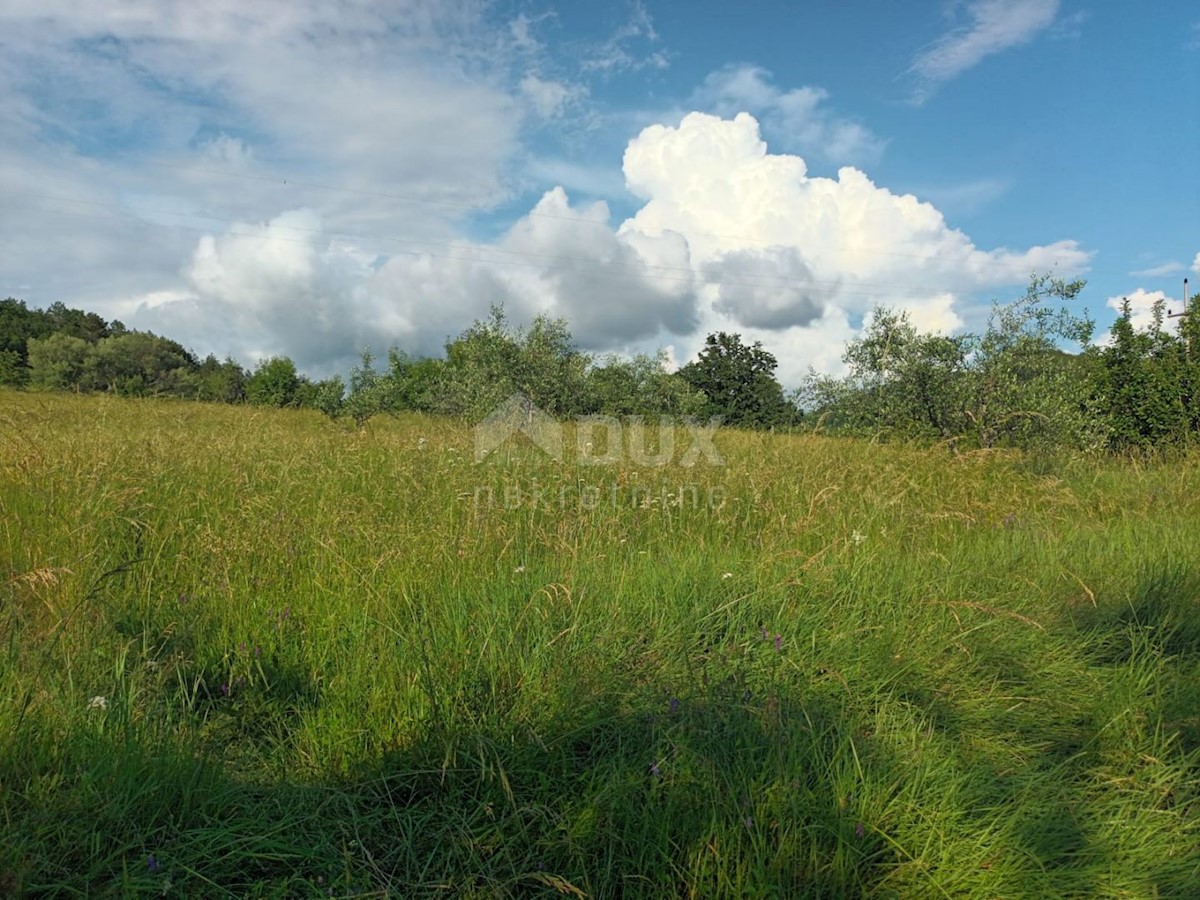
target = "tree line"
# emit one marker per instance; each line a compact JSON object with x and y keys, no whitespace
{"x":1013,"y":385}
{"x":1032,"y":378}
{"x":72,"y":350}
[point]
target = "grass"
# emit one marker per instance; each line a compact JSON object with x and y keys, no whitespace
{"x":341,"y":663}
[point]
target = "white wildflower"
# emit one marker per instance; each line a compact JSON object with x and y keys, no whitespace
{"x":857,"y":537}
{"x":98,"y":702}
{"x":518,"y":570}
{"x":726,"y":575}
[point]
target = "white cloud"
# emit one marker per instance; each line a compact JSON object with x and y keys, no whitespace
{"x":633,"y":46}
{"x":1160,"y":271}
{"x":993,"y":26}
{"x":729,"y":237}
{"x":549,"y":98}
{"x":1141,"y":307}
{"x":964,"y":197}
{"x":1196,"y":264}
{"x":795,"y":258}
{"x":796,"y":119}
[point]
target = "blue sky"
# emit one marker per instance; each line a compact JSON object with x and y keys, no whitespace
{"x":308,"y":178}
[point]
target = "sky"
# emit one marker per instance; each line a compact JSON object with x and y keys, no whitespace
{"x":313,"y":177}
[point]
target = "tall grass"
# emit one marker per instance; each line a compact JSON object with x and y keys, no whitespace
{"x":349,"y":663}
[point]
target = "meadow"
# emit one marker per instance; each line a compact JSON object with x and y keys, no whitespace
{"x":256,"y":653}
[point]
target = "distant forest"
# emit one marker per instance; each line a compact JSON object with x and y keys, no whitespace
{"x":1013,"y":385}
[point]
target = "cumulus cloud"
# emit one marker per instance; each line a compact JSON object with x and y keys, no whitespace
{"x":728,"y":236}
{"x":798,"y":119}
{"x":993,"y":26}
{"x":1141,"y":308}
{"x":1196,"y":264}
{"x":796,"y":258}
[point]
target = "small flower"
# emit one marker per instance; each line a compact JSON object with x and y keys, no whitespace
{"x":225,"y":688}
{"x":421,"y":443}
{"x":152,"y":863}
{"x":726,"y":576}
{"x":98,"y":702}
{"x":859,"y":830}
{"x":779,"y":642}
{"x":518,"y":570}
{"x":183,"y":599}
{"x":673,"y":705}
{"x":654,"y":770}
{"x":749,"y":821}
{"x":857,"y":537}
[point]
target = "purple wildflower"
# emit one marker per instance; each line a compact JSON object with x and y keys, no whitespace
{"x":225,"y":688}
{"x":779,"y":642}
{"x":859,"y":830}
{"x":152,"y":863}
{"x":674,"y":705}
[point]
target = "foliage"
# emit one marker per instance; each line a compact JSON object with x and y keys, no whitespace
{"x":641,"y":386}
{"x":13,"y":370}
{"x":1148,"y":381}
{"x":221,"y":382}
{"x":57,"y":362}
{"x":493,"y":359}
{"x":1009,"y":386}
{"x":273,"y":383}
{"x":739,"y":383}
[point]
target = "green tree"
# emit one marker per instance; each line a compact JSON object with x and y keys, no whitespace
{"x":220,"y":382}
{"x":273,"y":383}
{"x":739,"y":383}
{"x":57,"y":362}
{"x":491,"y":360}
{"x":139,"y":363}
{"x":640,"y":386}
{"x":900,"y":381}
{"x":368,"y":394}
{"x":13,"y":371}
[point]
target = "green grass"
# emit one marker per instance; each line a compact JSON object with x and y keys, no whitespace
{"x":827,"y":668}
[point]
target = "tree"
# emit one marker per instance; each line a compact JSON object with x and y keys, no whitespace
{"x":739,"y":383}
{"x":900,"y":380}
{"x":222,"y":382}
{"x":368,"y":391}
{"x":640,"y":386}
{"x":1012,"y":385}
{"x":13,"y":371}
{"x":274,"y":382}
{"x":492,"y":360}
{"x":57,"y":362}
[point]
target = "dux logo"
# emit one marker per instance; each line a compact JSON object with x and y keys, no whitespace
{"x":519,"y":415}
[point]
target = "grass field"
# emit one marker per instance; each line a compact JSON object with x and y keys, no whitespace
{"x":252,"y":653}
